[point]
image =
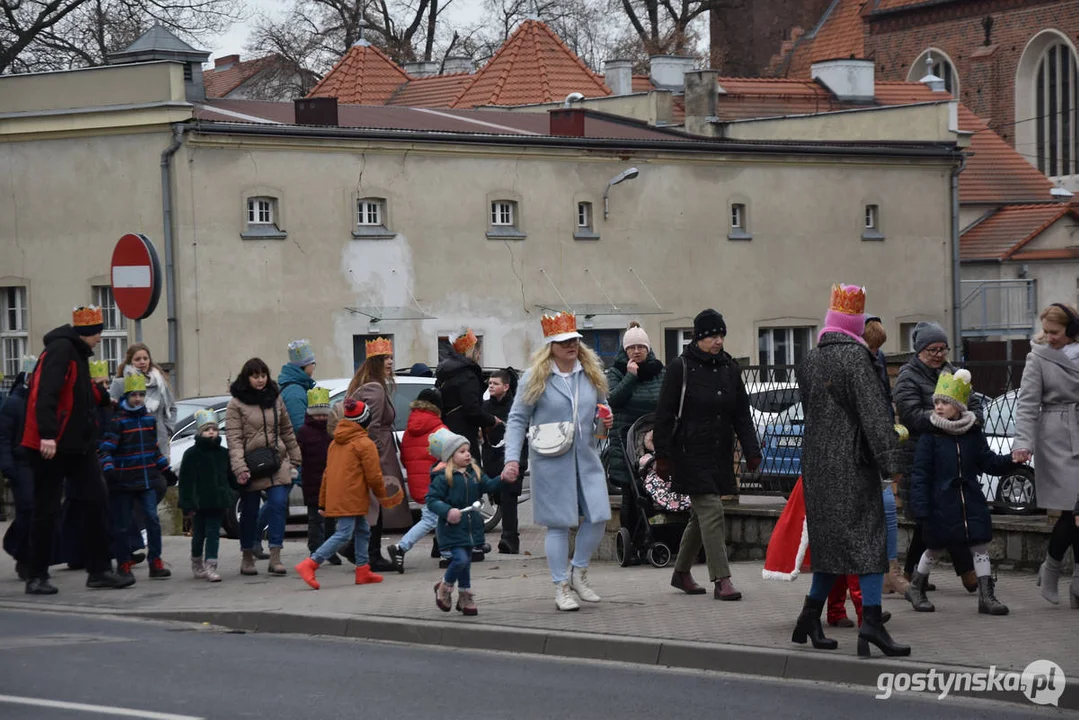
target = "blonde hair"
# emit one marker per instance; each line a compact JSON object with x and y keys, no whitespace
{"x":1056,"y":315}
{"x":874,"y":335}
{"x":451,"y":469}
{"x":539,"y":371}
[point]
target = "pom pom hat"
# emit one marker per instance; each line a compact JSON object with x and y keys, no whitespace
{"x":954,"y":389}
{"x":357,"y":412}
{"x":635,"y":335}
{"x":560,"y":327}
{"x":443,"y":443}
{"x":846,"y":312}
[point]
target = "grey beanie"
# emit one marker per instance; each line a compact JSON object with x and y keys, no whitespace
{"x":927,"y":333}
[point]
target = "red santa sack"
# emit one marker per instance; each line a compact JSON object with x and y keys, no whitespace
{"x":788,"y":548}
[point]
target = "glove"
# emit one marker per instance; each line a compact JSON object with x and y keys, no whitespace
{"x":753,"y":464}
{"x":663,"y":468}
{"x":170,"y":477}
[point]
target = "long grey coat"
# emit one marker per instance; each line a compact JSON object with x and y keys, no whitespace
{"x":845,"y":450}
{"x":572,"y":485}
{"x":1047,"y":422}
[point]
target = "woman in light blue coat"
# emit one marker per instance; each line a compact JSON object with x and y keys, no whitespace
{"x":571,"y":487}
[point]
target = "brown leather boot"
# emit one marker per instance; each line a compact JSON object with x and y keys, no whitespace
{"x":247,"y":565}
{"x":724,"y":590}
{"x":684,"y":581}
{"x":275,"y":567}
{"x":970,"y":581}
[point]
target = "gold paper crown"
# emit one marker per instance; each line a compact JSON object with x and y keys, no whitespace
{"x":849,"y":301}
{"x":465,"y":341}
{"x":563,"y":322}
{"x":87,"y":316}
{"x":99,"y":368}
{"x":318,"y":397}
{"x":135,"y":382}
{"x":379,"y":346}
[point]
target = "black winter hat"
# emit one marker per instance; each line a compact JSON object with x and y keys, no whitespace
{"x":708,"y":323}
{"x":431,"y":395}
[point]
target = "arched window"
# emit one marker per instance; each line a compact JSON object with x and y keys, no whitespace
{"x":1046,"y":94}
{"x":940,"y":65}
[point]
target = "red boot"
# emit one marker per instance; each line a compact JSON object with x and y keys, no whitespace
{"x":837,"y":601}
{"x":855,"y":588}
{"x":306,"y":570}
{"x":364,"y":576}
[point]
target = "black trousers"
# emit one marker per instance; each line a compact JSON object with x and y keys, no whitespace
{"x":507,"y":500}
{"x":84,"y":474}
{"x":1064,"y":534}
{"x":962,"y":559}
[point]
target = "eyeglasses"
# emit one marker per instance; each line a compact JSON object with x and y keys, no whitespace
{"x":938,"y":351}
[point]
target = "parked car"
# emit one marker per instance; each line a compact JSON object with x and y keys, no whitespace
{"x":776,"y":408}
{"x":1016,"y":492}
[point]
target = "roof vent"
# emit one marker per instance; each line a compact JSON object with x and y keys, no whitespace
{"x":316,"y":111}
{"x":669,"y":71}
{"x":936,"y":84}
{"x":421,"y":68}
{"x":850,"y":80}
{"x":458,"y":64}
{"x":619,"y":76}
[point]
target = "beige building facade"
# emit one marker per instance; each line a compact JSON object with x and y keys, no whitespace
{"x":273,"y":236}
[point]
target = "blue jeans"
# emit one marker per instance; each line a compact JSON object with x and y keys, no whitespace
{"x":276,"y":512}
{"x":347,"y":527}
{"x":556,"y":545}
{"x":872,"y":587}
{"x":460,"y":569}
{"x":891,"y":522}
{"x":123,"y":520}
{"x":427,"y":523}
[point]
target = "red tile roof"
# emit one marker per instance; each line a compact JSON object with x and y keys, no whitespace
{"x":884,"y":6}
{"x":364,"y":76}
{"x":220,"y":83}
{"x":840,"y":34}
{"x":533,"y":66}
{"x":431,"y":92}
{"x":1002,"y":235}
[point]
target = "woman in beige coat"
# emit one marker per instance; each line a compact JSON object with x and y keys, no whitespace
{"x":1047,"y":426}
{"x":256,"y":419}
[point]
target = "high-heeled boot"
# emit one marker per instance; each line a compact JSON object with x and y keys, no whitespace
{"x":1048,"y":578}
{"x":874,"y":632}
{"x":809,"y":626}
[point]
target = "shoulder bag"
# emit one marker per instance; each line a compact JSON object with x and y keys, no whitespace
{"x":264,"y":462}
{"x":554,"y":439}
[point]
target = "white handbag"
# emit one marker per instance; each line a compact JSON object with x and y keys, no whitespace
{"x":554,"y":439}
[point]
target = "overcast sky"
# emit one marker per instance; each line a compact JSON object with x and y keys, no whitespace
{"x":235,"y":40}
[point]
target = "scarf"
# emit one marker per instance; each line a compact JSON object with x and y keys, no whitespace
{"x":954,"y":427}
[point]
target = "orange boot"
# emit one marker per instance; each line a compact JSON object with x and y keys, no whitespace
{"x":306,"y":570}
{"x":364,"y":576}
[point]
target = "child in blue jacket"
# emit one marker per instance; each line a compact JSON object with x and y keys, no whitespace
{"x":945,"y":495}
{"x":457,"y":485}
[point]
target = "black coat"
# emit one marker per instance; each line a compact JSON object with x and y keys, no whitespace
{"x":945,"y":495}
{"x":494,"y":451}
{"x":701,"y":450}
{"x":461,"y":382}
{"x":12,"y":418}
{"x":63,"y":376}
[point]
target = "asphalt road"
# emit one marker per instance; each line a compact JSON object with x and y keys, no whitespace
{"x":166,"y":671}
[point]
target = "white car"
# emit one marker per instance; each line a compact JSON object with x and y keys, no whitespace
{"x":1015,"y":492}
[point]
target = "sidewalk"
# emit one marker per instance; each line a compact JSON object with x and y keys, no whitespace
{"x":641,"y":619}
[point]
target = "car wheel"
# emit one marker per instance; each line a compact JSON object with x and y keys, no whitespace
{"x":491,"y":514}
{"x":1016,"y":494}
{"x":623,"y":547}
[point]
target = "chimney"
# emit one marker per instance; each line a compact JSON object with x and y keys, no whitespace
{"x":702,"y":102}
{"x":223,"y":63}
{"x":421,"y":68}
{"x":316,"y":111}
{"x":850,"y":80}
{"x":668,"y":72}
{"x":458,"y":64}
{"x":619,"y":76}
{"x":568,"y":122}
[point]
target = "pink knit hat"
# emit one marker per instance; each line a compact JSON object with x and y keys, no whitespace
{"x":846,"y":313}
{"x":635,"y":335}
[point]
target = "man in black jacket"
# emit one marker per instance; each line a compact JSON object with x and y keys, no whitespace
{"x":460,"y":379}
{"x":60,"y":439}
{"x":502,"y":386}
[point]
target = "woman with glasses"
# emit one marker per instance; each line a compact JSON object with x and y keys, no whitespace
{"x":914,"y":402}
{"x":555,"y":408}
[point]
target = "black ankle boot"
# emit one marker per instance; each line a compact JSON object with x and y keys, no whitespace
{"x":873,"y":631}
{"x":434,"y":549}
{"x":809,"y":627}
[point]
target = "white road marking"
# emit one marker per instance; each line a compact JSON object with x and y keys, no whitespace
{"x":102,"y":709}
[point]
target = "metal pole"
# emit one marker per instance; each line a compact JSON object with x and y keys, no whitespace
{"x":957,"y":291}
{"x":138,"y":331}
{"x":170,"y":270}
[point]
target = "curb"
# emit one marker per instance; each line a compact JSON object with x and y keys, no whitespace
{"x":772,"y":663}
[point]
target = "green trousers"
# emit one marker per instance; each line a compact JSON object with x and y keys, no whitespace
{"x":705,"y":528}
{"x":206,"y":527}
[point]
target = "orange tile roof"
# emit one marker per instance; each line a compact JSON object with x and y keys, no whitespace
{"x":533,"y":66}
{"x":883,"y":6}
{"x":642,"y":83}
{"x":220,"y":83}
{"x":1004,"y":233}
{"x":996,"y":172}
{"x":364,"y":76}
{"x":431,"y":92}
{"x":840,"y":34}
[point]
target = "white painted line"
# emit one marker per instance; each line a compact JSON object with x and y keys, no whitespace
{"x":131,"y":276}
{"x":102,"y":709}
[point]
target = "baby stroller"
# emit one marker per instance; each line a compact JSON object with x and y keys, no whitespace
{"x":654,"y":529}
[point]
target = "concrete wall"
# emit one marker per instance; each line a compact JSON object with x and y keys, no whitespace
{"x":909,"y":123}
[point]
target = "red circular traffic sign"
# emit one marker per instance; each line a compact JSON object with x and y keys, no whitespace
{"x":136,"y":276}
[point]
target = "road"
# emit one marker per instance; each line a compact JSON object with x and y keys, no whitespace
{"x":169,"y":671}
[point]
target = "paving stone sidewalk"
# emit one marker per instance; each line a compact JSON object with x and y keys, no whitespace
{"x":516,"y":592}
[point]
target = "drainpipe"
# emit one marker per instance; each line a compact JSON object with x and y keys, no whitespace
{"x":957,"y":287}
{"x":170,"y":268}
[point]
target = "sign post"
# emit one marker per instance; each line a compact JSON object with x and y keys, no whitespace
{"x":136,"y":278}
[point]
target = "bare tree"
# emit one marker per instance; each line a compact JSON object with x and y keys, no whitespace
{"x":59,"y":34}
{"x":664,"y":26}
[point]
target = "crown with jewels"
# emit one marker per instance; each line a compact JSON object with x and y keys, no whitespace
{"x":135,"y":382}
{"x":379,"y":346}
{"x":87,"y":316}
{"x":849,"y":300}
{"x":318,"y":397}
{"x":99,"y":369}
{"x":563,"y":322}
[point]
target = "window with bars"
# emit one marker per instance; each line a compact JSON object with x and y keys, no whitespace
{"x":14,"y":329}
{"x":369,"y":212}
{"x":502,"y":212}
{"x":779,"y":349}
{"x":114,"y":335}
{"x":260,"y":211}
{"x":263,"y":221}
{"x":1056,"y":88}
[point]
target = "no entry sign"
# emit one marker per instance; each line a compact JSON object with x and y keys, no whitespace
{"x":136,"y":276}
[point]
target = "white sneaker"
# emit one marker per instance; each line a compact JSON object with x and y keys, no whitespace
{"x":211,"y":571}
{"x":578,"y":583}
{"x":563,"y":597}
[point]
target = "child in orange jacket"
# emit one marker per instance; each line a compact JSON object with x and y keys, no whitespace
{"x":352,"y":472}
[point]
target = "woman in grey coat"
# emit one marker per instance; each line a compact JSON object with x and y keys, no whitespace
{"x":565,"y":375}
{"x":1047,"y":427}
{"x":849,"y":443}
